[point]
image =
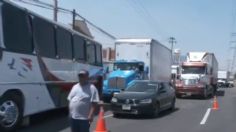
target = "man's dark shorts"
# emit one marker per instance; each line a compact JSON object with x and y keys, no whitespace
{"x":79,"y":125}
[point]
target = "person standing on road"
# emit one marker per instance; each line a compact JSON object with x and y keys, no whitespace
{"x":83,"y":99}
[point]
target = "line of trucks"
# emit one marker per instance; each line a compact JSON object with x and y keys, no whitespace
{"x":148,"y":59}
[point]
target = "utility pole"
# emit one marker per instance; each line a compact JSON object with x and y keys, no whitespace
{"x":73,"y":18}
{"x":233,"y":47}
{"x":172,"y":41}
{"x":55,"y":10}
{"x":233,"y":59}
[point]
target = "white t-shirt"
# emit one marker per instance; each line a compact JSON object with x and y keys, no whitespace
{"x":80,"y":100}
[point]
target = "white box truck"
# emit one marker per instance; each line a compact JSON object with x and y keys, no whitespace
{"x":223,"y":79}
{"x":137,"y":59}
{"x":199,"y":75}
{"x":156,"y":57}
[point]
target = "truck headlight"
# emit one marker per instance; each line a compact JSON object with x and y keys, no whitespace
{"x":114,"y":100}
{"x":146,"y":101}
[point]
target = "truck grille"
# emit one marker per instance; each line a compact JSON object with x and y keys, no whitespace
{"x":190,"y":81}
{"x":117,"y":82}
{"x":128,"y":101}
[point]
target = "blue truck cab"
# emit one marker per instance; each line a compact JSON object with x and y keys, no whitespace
{"x":124,"y":73}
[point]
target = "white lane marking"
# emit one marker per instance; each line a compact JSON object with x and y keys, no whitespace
{"x":205,"y":116}
{"x":107,"y":116}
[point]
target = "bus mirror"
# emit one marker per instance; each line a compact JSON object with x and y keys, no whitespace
{"x":107,"y":69}
{"x":141,"y":68}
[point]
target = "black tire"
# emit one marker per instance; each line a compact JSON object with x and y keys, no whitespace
{"x":18,"y":102}
{"x":156,"y":110}
{"x":116,"y":115}
{"x":178,"y":96}
{"x":212,"y":94}
{"x":173,"y":105}
{"x":205,"y":94}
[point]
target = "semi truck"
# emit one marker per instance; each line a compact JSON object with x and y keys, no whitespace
{"x":142,"y":59}
{"x":198,"y":76}
{"x":223,"y":79}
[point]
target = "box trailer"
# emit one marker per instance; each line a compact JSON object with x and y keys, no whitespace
{"x":137,"y":59}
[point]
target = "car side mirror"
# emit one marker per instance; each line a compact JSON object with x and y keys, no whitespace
{"x":162,"y":90}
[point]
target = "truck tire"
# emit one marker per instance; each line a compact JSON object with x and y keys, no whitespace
{"x":11,"y":105}
{"x":205,"y":93}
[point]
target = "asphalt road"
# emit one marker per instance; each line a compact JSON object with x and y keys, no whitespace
{"x":191,"y":115}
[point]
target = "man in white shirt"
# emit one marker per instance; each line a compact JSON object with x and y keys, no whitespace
{"x":83,"y":99}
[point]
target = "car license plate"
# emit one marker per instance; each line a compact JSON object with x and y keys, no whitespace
{"x":126,"y":107}
{"x":188,"y":94}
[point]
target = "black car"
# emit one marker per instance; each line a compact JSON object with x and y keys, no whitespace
{"x":144,"y":97}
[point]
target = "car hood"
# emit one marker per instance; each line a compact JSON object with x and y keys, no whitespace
{"x":134,"y":95}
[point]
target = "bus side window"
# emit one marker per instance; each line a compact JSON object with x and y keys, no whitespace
{"x":98,"y":55}
{"x":16,"y":30}
{"x":79,"y":48}
{"x":44,"y":37}
{"x":64,"y":45}
{"x":91,"y":56}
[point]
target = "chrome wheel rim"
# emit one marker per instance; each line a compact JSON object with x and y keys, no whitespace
{"x":10,"y":112}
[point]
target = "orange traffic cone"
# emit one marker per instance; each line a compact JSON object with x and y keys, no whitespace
{"x":215,"y":104}
{"x":101,"y":124}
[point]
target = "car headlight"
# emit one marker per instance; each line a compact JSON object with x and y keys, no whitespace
{"x":146,"y":101}
{"x":114,"y":100}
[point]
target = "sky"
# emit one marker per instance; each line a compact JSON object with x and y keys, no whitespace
{"x":197,"y":25}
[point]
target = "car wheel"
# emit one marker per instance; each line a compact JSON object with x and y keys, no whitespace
{"x":178,"y":96}
{"x":11,"y":111}
{"x":156,"y":110}
{"x":173,"y":105}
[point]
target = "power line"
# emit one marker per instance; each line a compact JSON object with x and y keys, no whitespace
{"x":144,"y":13}
{"x":37,"y":5}
{"x":59,"y":9}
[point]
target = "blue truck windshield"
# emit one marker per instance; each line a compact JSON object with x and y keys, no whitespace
{"x":128,"y":66}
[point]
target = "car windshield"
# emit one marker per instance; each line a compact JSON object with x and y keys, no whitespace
{"x":143,"y":87}
{"x":193,"y":70}
{"x":128,"y":66}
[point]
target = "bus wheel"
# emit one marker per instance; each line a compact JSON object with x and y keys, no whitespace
{"x":11,"y":112}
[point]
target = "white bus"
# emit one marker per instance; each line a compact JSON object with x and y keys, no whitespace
{"x":39,"y":63}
